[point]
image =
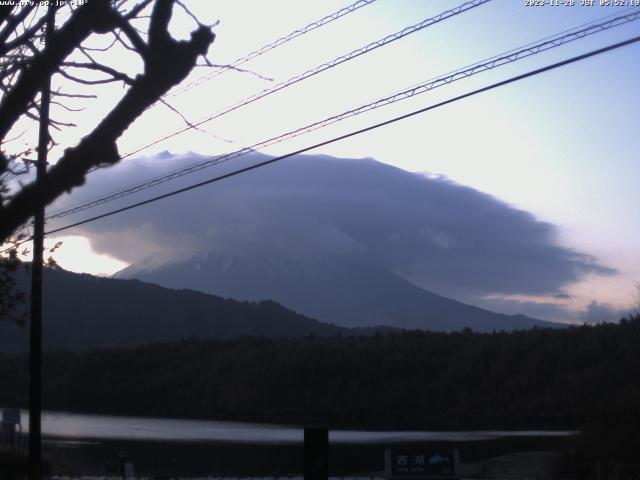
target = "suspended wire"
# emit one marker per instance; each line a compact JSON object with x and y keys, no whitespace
{"x":599,"y":21}
{"x":256,"y":53}
{"x":315,"y":71}
{"x":321,"y":68}
{"x":337,"y":61}
{"x":268,"y":47}
{"x":493,"y":62}
{"x":356,"y":132}
{"x":478,"y":91}
{"x":280,"y":41}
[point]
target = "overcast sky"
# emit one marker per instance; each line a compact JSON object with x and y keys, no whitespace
{"x":561,"y":147}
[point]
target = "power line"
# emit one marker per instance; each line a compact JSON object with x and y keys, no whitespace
{"x":493,"y":62}
{"x":280,"y":41}
{"x":473,"y":69}
{"x":510,"y":80}
{"x":323,"y":67}
{"x":595,"y":23}
{"x":250,"y":56}
{"x":320,"y":68}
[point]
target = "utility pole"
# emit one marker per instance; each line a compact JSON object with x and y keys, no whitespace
{"x":316,"y":453}
{"x":35,"y":334}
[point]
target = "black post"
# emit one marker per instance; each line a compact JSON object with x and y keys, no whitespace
{"x":35,"y":337}
{"x":316,"y":454}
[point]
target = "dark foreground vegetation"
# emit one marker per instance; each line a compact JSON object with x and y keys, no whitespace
{"x":544,"y":378}
{"x":227,"y":459}
{"x":12,"y":465}
{"x":80,"y":313}
{"x":585,"y":378}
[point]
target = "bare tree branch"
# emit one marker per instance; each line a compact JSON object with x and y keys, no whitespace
{"x":115,"y":74}
{"x":190,"y":124}
{"x":84,"y":81}
{"x":21,"y":39}
{"x":188,"y":12}
{"x":137,"y":9}
{"x":66,"y":107}
{"x":102,"y":49}
{"x":13,"y":21}
{"x":121,"y":41}
{"x":235,"y":69}
{"x":166,"y":63}
{"x":94,"y":16}
{"x":139,"y":45}
{"x":58,"y":93}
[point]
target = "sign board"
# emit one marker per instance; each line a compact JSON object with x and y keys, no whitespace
{"x":128,"y":470}
{"x":413,"y":464}
{"x":10,"y":426}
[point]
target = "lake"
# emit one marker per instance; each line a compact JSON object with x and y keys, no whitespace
{"x":65,"y":425}
{"x":81,"y":444}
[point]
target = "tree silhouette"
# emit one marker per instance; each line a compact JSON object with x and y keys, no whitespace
{"x":26,"y":61}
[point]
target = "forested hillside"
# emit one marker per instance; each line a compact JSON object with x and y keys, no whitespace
{"x":585,"y":378}
{"x":83,"y":312}
{"x":542,"y":378}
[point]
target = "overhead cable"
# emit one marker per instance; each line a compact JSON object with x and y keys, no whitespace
{"x":218,"y":178}
{"x":465,"y":72}
{"x":427,"y":22}
{"x":280,"y":41}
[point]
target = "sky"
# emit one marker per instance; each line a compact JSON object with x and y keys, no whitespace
{"x":562,"y":146}
{"x":318,"y":212}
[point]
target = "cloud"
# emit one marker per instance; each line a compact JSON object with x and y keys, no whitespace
{"x":563,"y":296}
{"x":556,"y":312}
{"x":602,"y":312}
{"x":440,"y":235}
{"x":559,"y":311}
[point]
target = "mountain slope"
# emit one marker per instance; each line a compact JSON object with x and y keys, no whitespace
{"x":83,"y":312}
{"x":348,"y":289}
{"x":351,"y":241}
{"x":354,"y":241}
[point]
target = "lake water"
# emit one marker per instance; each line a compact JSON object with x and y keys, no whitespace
{"x":72,"y":426}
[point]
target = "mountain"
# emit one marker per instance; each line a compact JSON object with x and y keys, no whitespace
{"x":345,"y":289}
{"x":83,"y":312}
{"x":348,"y":241}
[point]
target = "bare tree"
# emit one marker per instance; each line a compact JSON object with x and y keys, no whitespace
{"x":25,"y":61}
{"x":10,"y":297}
{"x":139,"y":27}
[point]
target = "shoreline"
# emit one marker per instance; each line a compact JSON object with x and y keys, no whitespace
{"x":223,"y":459}
{"x":91,"y":427}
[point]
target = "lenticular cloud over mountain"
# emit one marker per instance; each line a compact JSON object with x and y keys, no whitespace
{"x":312,"y":214}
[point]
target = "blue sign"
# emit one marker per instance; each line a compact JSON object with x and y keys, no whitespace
{"x":421,"y":464}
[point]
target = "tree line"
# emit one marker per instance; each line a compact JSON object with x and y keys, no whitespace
{"x":411,"y":379}
{"x":585,"y":378}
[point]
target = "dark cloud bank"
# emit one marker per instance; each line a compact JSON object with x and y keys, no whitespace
{"x":444,"y":237}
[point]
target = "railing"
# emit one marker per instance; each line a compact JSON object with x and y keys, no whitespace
{"x":11,"y":437}
{"x":14,"y":443}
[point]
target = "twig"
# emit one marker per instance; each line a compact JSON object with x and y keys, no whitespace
{"x":136,"y":40}
{"x":137,"y":9}
{"x":58,"y":93}
{"x":102,"y":49}
{"x":235,"y":69}
{"x":188,"y":12}
{"x":83,"y":81}
{"x":115,"y":74}
{"x":67,"y":108}
{"x":123,"y":43}
{"x":191,"y":125}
